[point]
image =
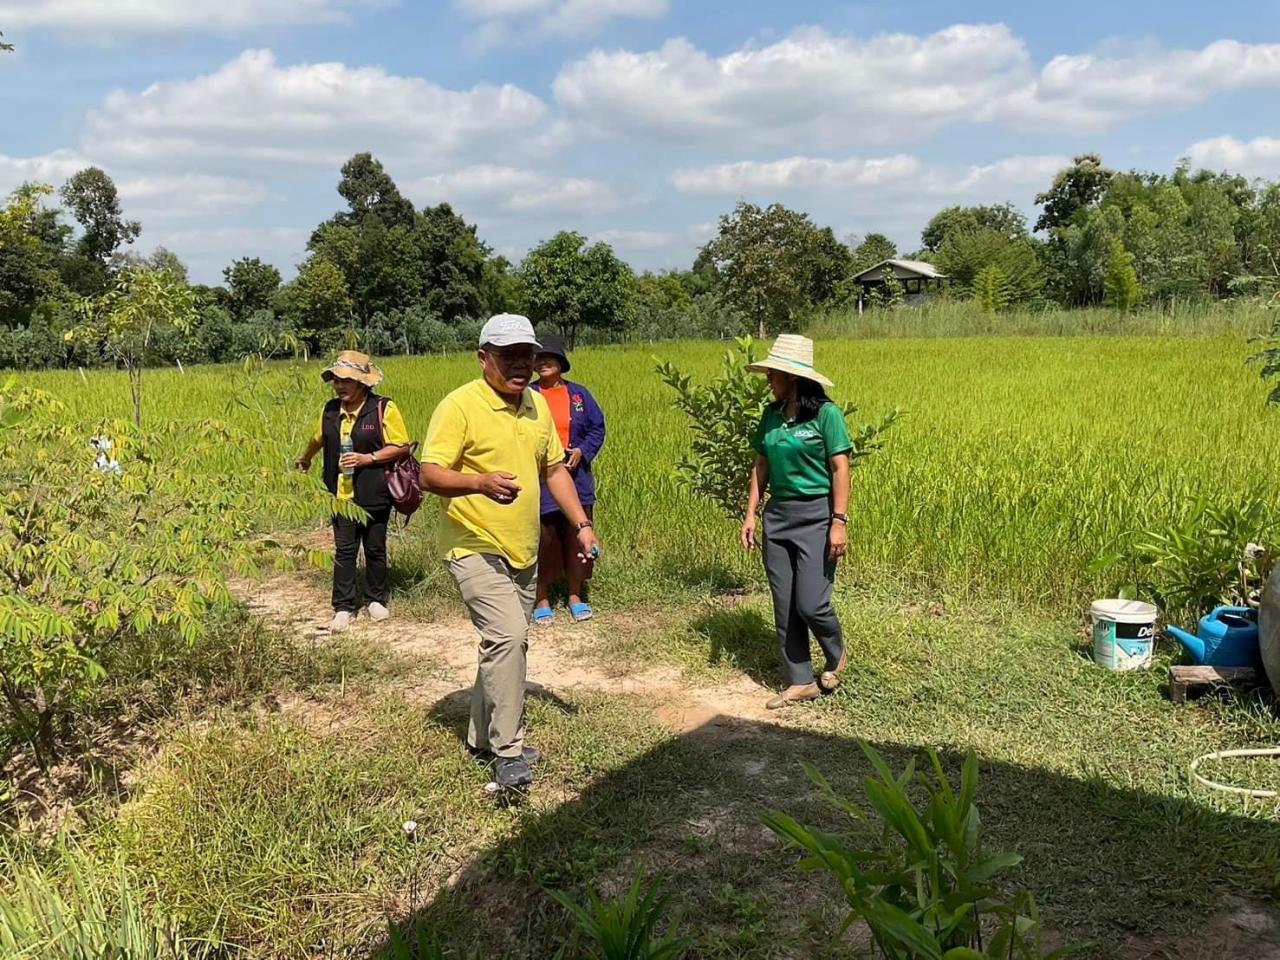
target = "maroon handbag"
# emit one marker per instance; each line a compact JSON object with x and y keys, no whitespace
{"x":404,"y":474}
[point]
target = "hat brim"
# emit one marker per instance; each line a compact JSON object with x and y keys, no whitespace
{"x":565,"y":365}
{"x":795,"y":369}
{"x":511,"y":342}
{"x":370,"y":379}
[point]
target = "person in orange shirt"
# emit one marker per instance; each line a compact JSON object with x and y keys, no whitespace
{"x":580,"y":422}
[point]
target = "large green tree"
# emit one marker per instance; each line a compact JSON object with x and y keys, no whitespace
{"x":251,"y":286}
{"x":321,"y":301}
{"x":966,"y":256}
{"x":453,"y":265}
{"x":571,"y":285}
{"x":28,"y":263}
{"x":773,"y":263}
{"x":369,"y":190}
{"x":1074,"y":188}
{"x":1003,"y":218}
{"x":874,"y":248}
{"x":92,"y":197}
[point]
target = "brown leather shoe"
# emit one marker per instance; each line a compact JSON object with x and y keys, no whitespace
{"x":794,"y":694}
{"x":830,"y":679}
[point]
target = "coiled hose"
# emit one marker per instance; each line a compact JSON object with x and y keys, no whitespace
{"x":1228,"y":755}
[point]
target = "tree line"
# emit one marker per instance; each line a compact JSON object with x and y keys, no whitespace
{"x":396,"y":279}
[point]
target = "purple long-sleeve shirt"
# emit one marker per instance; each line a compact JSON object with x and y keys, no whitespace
{"x":586,"y":432}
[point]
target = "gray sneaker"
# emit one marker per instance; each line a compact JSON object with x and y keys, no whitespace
{"x":511,"y":772}
{"x":341,"y":622}
{"x":378,"y":612}
{"x":530,"y":755}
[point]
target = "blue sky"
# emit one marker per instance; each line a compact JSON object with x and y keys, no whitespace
{"x":638,"y":122}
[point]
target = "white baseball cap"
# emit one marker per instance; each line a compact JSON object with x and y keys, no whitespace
{"x":508,"y":330}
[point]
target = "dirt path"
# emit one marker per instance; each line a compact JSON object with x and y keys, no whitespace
{"x":559,"y":658}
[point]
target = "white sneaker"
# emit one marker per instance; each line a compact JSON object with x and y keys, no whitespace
{"x":378,"y":613}
{"x":341,"y":622}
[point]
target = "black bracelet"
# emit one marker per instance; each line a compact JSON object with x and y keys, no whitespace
{"x":585,"y":525}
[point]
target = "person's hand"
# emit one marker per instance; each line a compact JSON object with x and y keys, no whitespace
{"x":350,"y":461}
{"x":303,"y":464}
{"x":748,"y":533}
{"x":499,"y":487}
{"x":573,"y":459}
{"x":838,"y":539}
{"x":588,"y":544}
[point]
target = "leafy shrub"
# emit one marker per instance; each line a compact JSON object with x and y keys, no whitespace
{"x":926,"y":890}
{"x":723,"y":416}
{"x":991,"y":289}
{"x":624,"y":928}
{"x":1218,"y":554}
{"x":110,"y":533}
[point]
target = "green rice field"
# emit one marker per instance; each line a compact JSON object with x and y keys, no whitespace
{"x":1017,"y":462}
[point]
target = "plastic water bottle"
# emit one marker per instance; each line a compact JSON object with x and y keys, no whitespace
{"x":347,"y":447}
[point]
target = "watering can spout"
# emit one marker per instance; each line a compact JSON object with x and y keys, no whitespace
{"x":1194,"y":645}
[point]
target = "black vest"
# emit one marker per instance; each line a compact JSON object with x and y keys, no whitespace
{"x":366,"y":437}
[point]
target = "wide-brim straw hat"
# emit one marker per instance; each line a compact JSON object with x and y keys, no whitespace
{"x":791,"y":354}
{"x":353,"y":365}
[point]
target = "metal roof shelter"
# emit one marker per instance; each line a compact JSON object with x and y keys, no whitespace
{"x":917,"y":277}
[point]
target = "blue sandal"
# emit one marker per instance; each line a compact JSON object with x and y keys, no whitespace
{"x":581,"y":612}
{"x":544,"y":616}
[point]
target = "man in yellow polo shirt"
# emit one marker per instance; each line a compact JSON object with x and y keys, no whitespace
{"x":489,"y":446}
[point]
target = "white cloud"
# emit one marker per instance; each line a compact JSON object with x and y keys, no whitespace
{"x":51,"y":168}
{"x":898,"y":174}
{"x":187,"y":195}
{"x":1092,"y":92}
{"x":206,"y":251}
{"x":636,"y":239}
{"x":509,"y":190}
{"x":818,"y":88}
{"x":524,"y":21}
{"x":795,"y":173}
{"x":254,"y":112}
{"x":161,"y":16}
{"x":1252,"y":158}
{"x":824,"y":88}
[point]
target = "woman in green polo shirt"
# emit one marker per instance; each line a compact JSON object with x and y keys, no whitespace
{"x":802,"y":458}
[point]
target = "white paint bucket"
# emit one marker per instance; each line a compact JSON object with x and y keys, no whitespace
{"x":1124,"y":632}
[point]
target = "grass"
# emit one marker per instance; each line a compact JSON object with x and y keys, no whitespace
{"x":966,"y":318}
{"x":282,"y":833}
{"x":1019,"y":460}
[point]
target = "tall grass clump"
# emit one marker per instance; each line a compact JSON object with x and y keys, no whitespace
{"x":77,"y":909}
{"x":955,"y":317}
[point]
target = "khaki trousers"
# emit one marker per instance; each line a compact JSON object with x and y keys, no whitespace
{"x":500,"y":600}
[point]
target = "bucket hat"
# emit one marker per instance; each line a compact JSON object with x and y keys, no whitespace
{"x":508,"y":330}
{"x":791,"y":354}
{"x":554,"y":344}
{"x":353,"y":365}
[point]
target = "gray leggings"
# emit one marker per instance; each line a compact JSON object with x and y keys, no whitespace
{"x":801,"y":576}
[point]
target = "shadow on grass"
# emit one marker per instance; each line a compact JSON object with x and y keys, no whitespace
{"x":743,"y":638}
{"x":705,"y":574}
{"x":1105,"y":863}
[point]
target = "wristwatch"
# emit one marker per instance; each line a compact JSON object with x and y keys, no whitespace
{"x":842,"y":517}
{"x":585,"y":525}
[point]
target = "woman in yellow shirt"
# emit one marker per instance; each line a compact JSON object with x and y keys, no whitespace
{"x":360,"y":434}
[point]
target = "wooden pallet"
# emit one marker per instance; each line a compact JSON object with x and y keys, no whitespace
{"x":1181,"y":679}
